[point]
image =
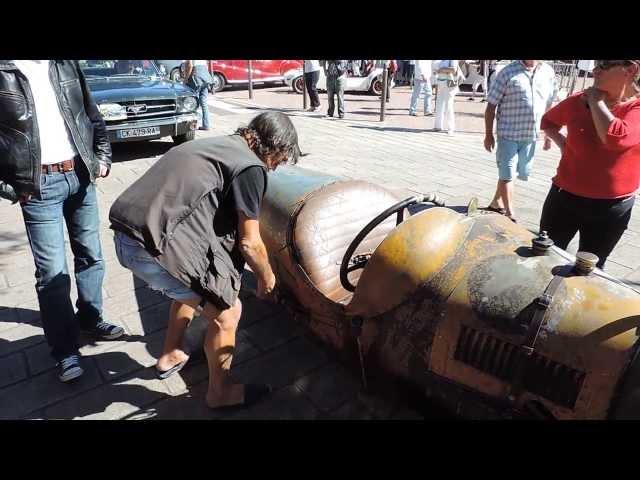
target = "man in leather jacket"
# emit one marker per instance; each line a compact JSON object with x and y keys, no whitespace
{"x":53,"y":147}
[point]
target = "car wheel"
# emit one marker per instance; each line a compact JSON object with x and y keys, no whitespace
{"x":218,"y":83}
{"x":175,"y":75}
{"x":298,"y":84}
{"x":185,"y":137}
{"x":376,"y":86}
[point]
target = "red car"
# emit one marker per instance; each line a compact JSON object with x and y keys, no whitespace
{"x":234,"y":72}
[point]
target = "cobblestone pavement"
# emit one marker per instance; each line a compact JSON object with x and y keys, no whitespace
{"x":309,"y":381}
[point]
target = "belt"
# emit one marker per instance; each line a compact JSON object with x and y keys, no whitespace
{"x":66,"y":166}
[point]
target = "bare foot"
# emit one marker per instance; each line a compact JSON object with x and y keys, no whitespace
{"x":232,"y":395}
{"x":171,"y":359}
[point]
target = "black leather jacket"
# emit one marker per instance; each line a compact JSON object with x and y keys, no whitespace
{"x":19,"y":139}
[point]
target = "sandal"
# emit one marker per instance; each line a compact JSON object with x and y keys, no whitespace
{"x":162,"y":374}
{"x":499,"y":210}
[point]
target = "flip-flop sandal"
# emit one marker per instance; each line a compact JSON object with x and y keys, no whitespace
{"x":167,"y":373}
{"x":499,"y":210}
{"x":253,"y":393}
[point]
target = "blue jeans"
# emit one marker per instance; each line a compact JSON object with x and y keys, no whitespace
{"x":203,"y":96}
{"x":66,"y":199}
{"x":421,"y":88}
{"x":134,"y":257}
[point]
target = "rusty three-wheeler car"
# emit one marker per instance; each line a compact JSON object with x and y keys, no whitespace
{"x":481,"y":315}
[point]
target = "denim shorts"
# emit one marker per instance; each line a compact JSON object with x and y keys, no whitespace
{"x":135,"y":258}
{"x":506,"y":153}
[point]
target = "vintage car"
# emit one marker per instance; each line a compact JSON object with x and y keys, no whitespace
{"x":137,"y":103}
{"x":355,"y":83}
{"x":236,"y":72}
{"x":478,"y":313}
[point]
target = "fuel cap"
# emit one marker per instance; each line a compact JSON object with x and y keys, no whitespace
{"x":541,"y":244}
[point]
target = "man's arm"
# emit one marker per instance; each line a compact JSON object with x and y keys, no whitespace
{"x":255,"y":253}
{"x":489,"y":117}
{"x":101,"y":143}
{"x":188,"y":68}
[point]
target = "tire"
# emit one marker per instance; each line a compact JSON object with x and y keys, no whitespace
{"x":376,"y":86}
{"x":185,"y":137}
{"x":175,"y":75}
{"x":298,"y":84}
{"x":218,"y":83}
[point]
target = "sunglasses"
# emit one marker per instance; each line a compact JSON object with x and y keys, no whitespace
{"x":607,"y":64}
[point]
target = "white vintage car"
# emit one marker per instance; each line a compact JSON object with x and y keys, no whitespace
{"x":371,"y":83}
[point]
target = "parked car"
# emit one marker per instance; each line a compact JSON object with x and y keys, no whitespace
{"x":370,"y":83}
{"x":137,"y":103}
{"x":236,"y":72}
{"x":172,"y":69}
{"x":476,"y":312}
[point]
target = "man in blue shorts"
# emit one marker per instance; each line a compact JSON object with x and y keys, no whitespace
{"x":520,"y":94}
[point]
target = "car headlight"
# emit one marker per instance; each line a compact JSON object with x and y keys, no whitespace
{"x":112,"y":111}
{"x":187,"y":104}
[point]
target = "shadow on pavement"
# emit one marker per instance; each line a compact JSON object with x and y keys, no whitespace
{"x":392,"y":129}
{"x":124,"y":152}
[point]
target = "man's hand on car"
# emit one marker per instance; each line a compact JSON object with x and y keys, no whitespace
{"x":266,"y":289}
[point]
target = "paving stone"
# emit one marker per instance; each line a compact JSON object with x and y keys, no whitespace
{"x":286,"y":404}
{"x":130,"y":356}
{"x":273,"y":331}
{"x":330,"y":386}
{"x":148,"y":320}
{"x":255,"y":310}
{"x":351,"y":410}
{"x":283,"y":365}
{"x":42,"y":390}
{"x":112,"y":401}
{"x":405,"y":413}
{"x":19,"y":338}
{"x":8,"y":319}
{"x":187,"y":406}
{"x":12,"y":369}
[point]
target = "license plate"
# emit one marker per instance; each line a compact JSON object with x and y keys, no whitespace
{"x":139,"y":132}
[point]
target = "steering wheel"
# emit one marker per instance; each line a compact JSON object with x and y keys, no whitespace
{"x":350,"y":262}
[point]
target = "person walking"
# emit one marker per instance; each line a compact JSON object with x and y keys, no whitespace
{"x":336,"y":73}
{"x":311,"y":77}
{"x":594,"y":189}
{"x":448,"y":76}
{"x":199,"y":79}
{"x":421,"y":87}
{"x":518,"y":98}
{"x":50,"y":159}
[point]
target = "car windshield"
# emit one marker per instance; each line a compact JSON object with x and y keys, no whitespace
{"x":118,"y":68}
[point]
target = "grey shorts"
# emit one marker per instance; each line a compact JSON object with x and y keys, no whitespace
{"x":135,"y":258}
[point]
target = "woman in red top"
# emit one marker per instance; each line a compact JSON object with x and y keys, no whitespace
{"x":599,"y":172}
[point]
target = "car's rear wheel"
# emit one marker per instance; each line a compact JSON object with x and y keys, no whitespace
{"x":298,"y":84}
{"x":218,"y":83}
{"x":175,"y":75}
{"x":185,"y":137}
{"x":376,"y":86}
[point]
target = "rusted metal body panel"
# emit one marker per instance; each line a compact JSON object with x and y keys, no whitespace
{"x":447,"y":300}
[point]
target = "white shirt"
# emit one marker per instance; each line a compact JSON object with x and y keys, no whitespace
{"x":56,"y":144}
{"x":423,"y":68}
{"x":195,"y":63}
{"x":311,"y":66}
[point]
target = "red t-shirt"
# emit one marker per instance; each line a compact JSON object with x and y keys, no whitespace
{"x":588,"y":167}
